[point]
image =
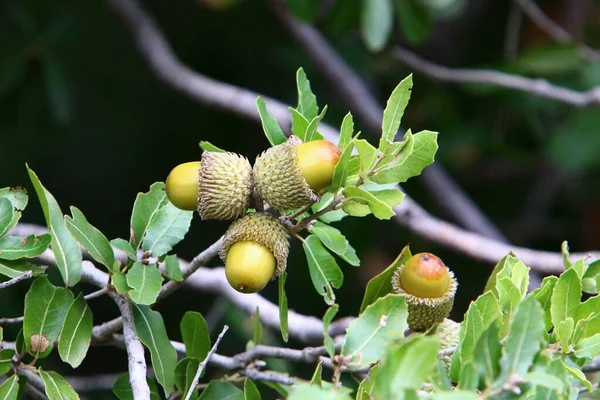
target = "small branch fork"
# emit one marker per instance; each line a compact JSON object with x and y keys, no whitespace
{"x":204,"y":362}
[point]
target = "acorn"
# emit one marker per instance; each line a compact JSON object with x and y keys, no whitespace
{"x":429,"y":287}
{"x":448,"y":332}
{"x":255,"y":250}
{"x":218,"y":187}
{"x":182,"y":185}
{"x":291,"y":175}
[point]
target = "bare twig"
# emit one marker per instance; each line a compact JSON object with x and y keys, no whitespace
{"x":104,"y":331}
{"x":257,"y":375}
{"x":95,"y":294}
{"x":5,"y":321}
{"x":594,"y":366}
{"x":32,"y":378}
{"x":188,"y":269}
{"x":135,"y":350}
{"x":228,"y":363}
{"x":365,"y":106}
{"x":411,"y":215}
{"x":554,"y":30}
{"x":307,"y":329}
{"x":17,"y":279}
{"x":538,"y":87}
{"x":204,"y":362}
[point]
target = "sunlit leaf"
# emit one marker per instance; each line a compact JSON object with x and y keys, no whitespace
{"x":10,"y":388}
{"x":406,"y":367}
{"x":333,"y":239}
{"x":76,"y":333}
{"x":588,"y":347}
{"x":65,"y":248}
{"x":346,"y":131}
{"x":327,"y":318}
{"x":316,"y":379}
{"x":195,"y":334}
{"x":381,"y":284}
{"x":376,"y":206}
{"x":283,"y":307}
{"x":219,"y":390}
{"x":208,"y":146}
{"x":94,"y":241}
{"x":173,"y":268}
{"x":145,"y":282}
{"x":250,"y":390}
{"x":17,"y":196}
{"x":369,"y":336}
{"x":525,"y":338}
{"x":394,"y":109}
{"x":270,"y":126}
{"x":324,"y":271}
{"x":8,"y":216}
{"x":566,"y":297}
{"x":167,"y":228}
{"x":57,"y":387}
{"x":307,"y":101}
{"x":15,"y":247}
{"x":150,"y":329}
{"x":146,"y":206}
{"x":125,"y":247}
{"x":411,"y":163}
{"x":311,"y":131}
{"x":45,"y":310}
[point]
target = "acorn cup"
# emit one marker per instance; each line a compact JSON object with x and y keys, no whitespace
{"x":255,"y":250}
{"x":291,"y":175}
{"x":429,"y":287}
{"x":218,"y":187}
{"x":448,"y":332}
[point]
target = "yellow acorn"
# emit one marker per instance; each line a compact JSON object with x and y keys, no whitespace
{"x":182,"y":185}
{"x":429,"y":287}
{"x":219,"y":186}
{"x":292,"y":174}
{"x":317,"y":160}
{"x":255,"y":250}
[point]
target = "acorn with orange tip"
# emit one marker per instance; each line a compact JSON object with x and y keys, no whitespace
{"x":429,"y":287}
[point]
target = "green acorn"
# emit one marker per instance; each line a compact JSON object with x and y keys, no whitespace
{"x":255,"y":250}
{"x":291,"y":175}
{"x":447,"y":331}
{"x":429,"y":287}
{"x":224,"y":186}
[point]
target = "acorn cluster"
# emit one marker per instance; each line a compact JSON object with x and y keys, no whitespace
{"x":220,"y":186}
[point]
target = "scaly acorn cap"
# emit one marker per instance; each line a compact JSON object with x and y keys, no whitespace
{"x":278,"y":178}
{"x":224,"y":185}
{"x":425,"y":273}
{"x":447,"y":331}
{"x":261,"y":228}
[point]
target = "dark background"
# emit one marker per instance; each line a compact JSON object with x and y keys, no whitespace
{"x":81,"y":107}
